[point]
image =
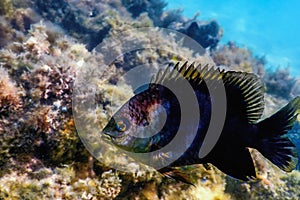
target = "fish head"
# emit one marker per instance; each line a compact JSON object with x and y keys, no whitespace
{"x":119,"y":127}
{"x":133,"y":126}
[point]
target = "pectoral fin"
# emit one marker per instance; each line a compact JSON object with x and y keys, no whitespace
{"x":176,"y":174}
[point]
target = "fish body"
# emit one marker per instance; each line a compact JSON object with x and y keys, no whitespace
{"x":151,"y":119}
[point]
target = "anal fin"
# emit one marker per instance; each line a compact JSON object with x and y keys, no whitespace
{"x":236,"y":163}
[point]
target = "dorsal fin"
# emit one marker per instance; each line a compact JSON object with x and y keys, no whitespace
{"x":244,"y":90}
{"x":194,"y":74}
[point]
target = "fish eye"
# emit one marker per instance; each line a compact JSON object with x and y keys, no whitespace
{"x":122,"y":125}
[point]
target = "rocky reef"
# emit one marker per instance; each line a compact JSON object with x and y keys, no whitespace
{"x":44,"y":44}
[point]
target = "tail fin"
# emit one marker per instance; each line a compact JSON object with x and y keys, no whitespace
{"x":273,"y":143}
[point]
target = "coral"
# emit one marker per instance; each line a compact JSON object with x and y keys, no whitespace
{"x":210,"y":184}
{"x":37,"y":43}
{"x":58,"y":183}
{"x":110,"y":185}
{"x":280,"y":82}
{"x":44,"y":66}
{"x":44,"y":124}
{"x":9,"y":94}
{"x":239,"y":59}
{"x":6,"y":8}
{"x":292,"y":183}
{"x":10,"y":106}
{"x":43,"y":128}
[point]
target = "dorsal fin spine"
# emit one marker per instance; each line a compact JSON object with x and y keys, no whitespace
{"x":209,"y":74}
{"x":253,"y":91}
{"x":183,"y":68}
{"x":255,"y":98}
{"x":204,"y":71}
{"x":250,"y":83}
{"x":244,"y":84}
{"x":189,"y":71}
{"x":175,"y":69}
{"x":165,"y":72}
{"x":253,"y":88}
{"x":186,"y":71}
{"x":194,"y":74}
{"x":250,"y":89}
{"x":179,"y":70}
{"x":254,"y":105}
{"x":198,"y":74}
{"x":161,"y":76}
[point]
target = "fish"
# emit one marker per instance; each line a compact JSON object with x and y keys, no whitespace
{"x":243,"y":127}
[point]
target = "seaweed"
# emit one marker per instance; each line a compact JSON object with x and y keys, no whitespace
{"x":280,"y":83}
{"x":238,"y":58}
{"x":6,"y":8}
{"x":171,"y":17}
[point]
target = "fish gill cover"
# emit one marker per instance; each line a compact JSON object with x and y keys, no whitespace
{"x":67,"y":66}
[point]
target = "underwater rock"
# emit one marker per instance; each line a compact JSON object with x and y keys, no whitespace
{"x":91,"y":22}
{"x":171,"y":18}
{"x":154,"y":8}
{"x":90,"y":29}
{"x":6,"y":33}
{"x":208,"y":35}
{"x":14,"y":23}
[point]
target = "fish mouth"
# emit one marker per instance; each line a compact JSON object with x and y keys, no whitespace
{"x":111,"y":140}
{"x":106,"y":137}
{"x":110,"y":136}
{"x":111,"y":133}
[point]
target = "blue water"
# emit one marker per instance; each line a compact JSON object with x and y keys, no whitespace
{"x":267,"y":27}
